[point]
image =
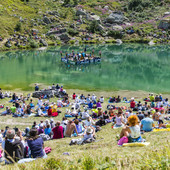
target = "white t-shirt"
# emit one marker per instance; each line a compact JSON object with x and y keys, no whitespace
{"x":93,"y":97}
{"x":88,"y":123}
{"x":85,"y":115}
{"x":40,"y":102}
{"x":87,"y":136}
{"x":101,"y":99}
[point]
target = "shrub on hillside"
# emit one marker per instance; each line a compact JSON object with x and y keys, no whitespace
{"x":93,"y":27}
{"x":88,"y":163}
{"x":33,"y":44}
{"x":139,"y":5}
{"x":115,"y":34}
{"x":18,"y":27}
{"x":25,"y":0}
{"x":73,"y":32}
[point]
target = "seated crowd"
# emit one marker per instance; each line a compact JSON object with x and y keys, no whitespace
{"x":85,"y":118}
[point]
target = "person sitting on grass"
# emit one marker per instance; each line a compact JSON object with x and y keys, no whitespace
{"x":88,"y":122}
{"x":6,"y":112}
{"x":101,"y":99}
{"x":156,"y":115}
{"x":119,"y":120}
{"x":132,"y":103}
{"x":49,"y":111}
{"x":70,"y":129}
{"x":58,"y":131}
{"x":89,"y":134}
{"x":41,"y":129}
{"x":147,"y":123}
{"x":79,"y":126}
{"x":36,"y":144}
{"x":131,"y":133}
{"x":100,"y":122}
{"x":98,"y":104}
{"x":13,"y":148}
{"x":47,"y":130}
{"x":85,"y":114}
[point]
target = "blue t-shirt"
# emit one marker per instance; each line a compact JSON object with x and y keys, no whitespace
{"x":79,"y":128}
{"x":36,"y":147}
{"x":147,"y":124}
{"x":90,"y":105}
{"x":47,"y":131}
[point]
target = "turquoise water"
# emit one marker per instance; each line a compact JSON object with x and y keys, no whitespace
{"x":129,"y":67}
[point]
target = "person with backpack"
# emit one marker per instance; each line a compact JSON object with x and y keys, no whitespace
{"x":13,"y":147}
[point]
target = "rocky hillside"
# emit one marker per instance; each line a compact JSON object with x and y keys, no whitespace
{"x":36,"y":23}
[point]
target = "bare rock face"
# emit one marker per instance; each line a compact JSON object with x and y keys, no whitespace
{"x":48,"y":94}
{"x":164,"y":24}
{"x":57,"y":31}
{"x":116,"y":17}
{"x":64,"y":37}
{"x":81,"y":12}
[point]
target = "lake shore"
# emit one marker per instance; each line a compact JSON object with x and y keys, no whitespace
{"x":139,"y":94}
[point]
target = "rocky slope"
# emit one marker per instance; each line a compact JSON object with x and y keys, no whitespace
{"x":36,"y":23}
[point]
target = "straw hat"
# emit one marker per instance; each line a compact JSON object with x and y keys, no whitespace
{"x":89,"y":130}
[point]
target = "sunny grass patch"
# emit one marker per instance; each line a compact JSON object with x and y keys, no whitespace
{"x":102,"y":154}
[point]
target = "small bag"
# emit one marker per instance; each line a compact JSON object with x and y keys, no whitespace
{"x":123,"y":140}
{"x":47,"y":150}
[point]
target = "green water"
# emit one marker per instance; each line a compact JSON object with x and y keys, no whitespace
{"x":129,"y":67}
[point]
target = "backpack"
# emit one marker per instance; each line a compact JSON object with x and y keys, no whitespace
{"x":44,"y":137}
{"x":14,"y":151}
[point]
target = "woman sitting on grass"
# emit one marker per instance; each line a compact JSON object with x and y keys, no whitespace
{"x":119,"y":120}
{"x":131,"y":133}
{"x":36,"y":144}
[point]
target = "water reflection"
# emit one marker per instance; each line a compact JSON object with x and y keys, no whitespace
{"x":132,"y":67}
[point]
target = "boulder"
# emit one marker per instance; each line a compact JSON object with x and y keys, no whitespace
{"x":94,"y":17}
{"x":118,"y":41}
{"x":47,"y":20}
{"x":64,"y":37}
{"x":151,"y":42}
{"x":43,"y":42}
{"x":57,"y":31}
{"x":51,"y":12}
{"x":115,"y":17}
{"x":81,"y":12}
{"x":117,"y":28}
{"x":164,"y":24}
{"x":48,"y":93}
{"x":35,"y":30}
{"x":166,"y":14}
{"x":100,"y":27}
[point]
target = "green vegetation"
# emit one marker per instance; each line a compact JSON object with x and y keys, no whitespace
{"x":21,"y":16}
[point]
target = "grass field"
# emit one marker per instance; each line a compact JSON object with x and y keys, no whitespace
{"x":102,"y":154}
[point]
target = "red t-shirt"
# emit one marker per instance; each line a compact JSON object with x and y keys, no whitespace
{"x":74,"y":96}
{"x":132,"y":104}
{"x":49,"y":112}
{"x":58,"y":132}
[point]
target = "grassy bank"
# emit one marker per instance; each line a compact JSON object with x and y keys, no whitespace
{"x":102,"y":154}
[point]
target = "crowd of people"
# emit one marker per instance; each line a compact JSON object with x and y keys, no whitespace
{"x":80,"y":56}
{"x":85,"y":116}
